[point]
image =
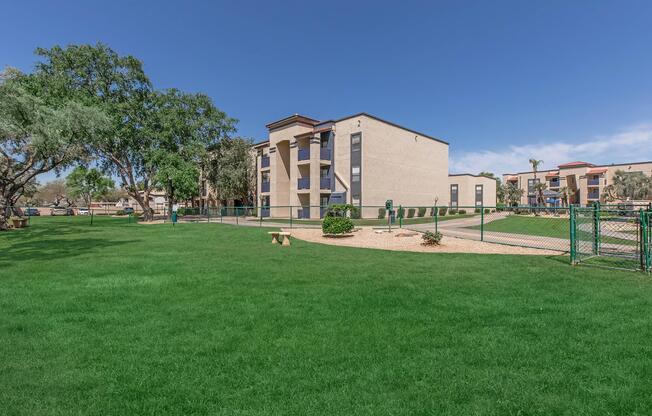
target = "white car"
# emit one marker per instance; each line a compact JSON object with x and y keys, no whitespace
{"x":83,"y":211}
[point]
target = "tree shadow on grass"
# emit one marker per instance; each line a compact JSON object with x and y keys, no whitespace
{"x":34,"y":249}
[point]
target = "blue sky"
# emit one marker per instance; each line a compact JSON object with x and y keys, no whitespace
{"x":499,"y":80}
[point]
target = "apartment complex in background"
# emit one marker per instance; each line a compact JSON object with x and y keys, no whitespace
{"x":361,"y":160}
{"x":586,"y":181}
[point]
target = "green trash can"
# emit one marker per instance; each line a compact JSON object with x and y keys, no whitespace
{"x":174,"y":217}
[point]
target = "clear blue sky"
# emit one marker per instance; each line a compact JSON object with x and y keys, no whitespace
{"x":496,"y":79}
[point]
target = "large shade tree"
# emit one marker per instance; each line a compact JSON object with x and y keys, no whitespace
{"x":145,"y":125}
{"x":37,"y":136}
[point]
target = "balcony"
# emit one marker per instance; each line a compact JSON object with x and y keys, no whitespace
{"x":593,"y":181}
{"x":325,"y":183}
{"x":325,"y":154}
{"x":303,"y":183}
{"x":264,"y":187}
{"x":264,"y":212}
{"x":264,"y":162}
{"x":593,"y":195}
{"x":554,"y":184}
{"x":304,"y":154}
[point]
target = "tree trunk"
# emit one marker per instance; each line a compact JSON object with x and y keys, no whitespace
{"x":4,"y":214}
{"x":148,"y":213}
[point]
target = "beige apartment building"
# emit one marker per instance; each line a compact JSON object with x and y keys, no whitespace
{"x":586,"y":181}
{"x":362,"y":160}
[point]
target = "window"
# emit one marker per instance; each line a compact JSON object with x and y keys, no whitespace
{"x":478,"y":195}
{"x":454,"y":193}
{"x":265,"y":176}
{"x":356,"y":167}
{"x":323,"y":172}
{"x":531,"y":183}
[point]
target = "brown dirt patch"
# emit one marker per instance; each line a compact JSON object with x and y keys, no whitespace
{"x":366,"y":237}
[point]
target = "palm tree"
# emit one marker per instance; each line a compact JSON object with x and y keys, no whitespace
{"x":540,"y":187}
{"x":563,"y":192}
{"x":513,"y":194}
{"x":535,"y":166}
{"x":629,"y":185}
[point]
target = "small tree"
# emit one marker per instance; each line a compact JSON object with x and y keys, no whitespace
{"x":513,"y":194}
{"x":539,"y":188}
{"x":88,"y":184}
{"x":230,"y":169}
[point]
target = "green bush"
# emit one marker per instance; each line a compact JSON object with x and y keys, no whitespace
{"x":453,"y":211}
{"x":487,"y":211}
{"x":421,"y":212}
{"x":477,"y":210}
{"x":401,"y":212}
{"x":411,"y":212}
{"x":381,"y":213}
{"x":355,"y":213}
{"x":443,"y":211}
{"x":336,"y":225}
{"x":461,"y":212}
{"x":120,"y":212}
{"x":431,"y":239}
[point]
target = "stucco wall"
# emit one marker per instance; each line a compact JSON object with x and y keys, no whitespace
{"x":466,"y":190}
{"x":396,"y":164}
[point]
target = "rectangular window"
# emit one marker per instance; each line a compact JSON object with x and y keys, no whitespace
{"x":478,"y":196}
{"x":531,"y":183}
{"x":265,"y":176}
{"x":356,"y":167}
{"x":454,"y":193}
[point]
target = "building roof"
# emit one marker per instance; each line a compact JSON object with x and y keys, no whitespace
{"x":552,"y":174}
{"x":512,"y":178}
{"x":574,"y":164}
{"x":318,"y":125}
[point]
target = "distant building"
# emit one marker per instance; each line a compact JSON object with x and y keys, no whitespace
{"x":585,"y":180}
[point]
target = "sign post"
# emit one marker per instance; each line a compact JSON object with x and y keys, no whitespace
{"x":389,"y":207}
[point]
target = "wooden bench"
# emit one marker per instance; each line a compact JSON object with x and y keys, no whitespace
{"x":277,"y":234}
{"x":19,"y":222}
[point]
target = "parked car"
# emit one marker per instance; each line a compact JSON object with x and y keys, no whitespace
{"x":32,"y":212}
{"x":83,"y":211}
{"x":56,"y":211}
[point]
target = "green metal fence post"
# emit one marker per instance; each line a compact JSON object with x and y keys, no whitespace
{"x":596,"y":228}
{"x":436,"y":218}
{"x":573,"y":251}
{"x":290,"y":216}
{"x":91,"y":217}
{"x":481,"y":222}
{"x":644,"y":243}
{"x":260,"y":215}
{"x":208,"y":214}
{"x":236,"y":216}
{"x":400,"y":216}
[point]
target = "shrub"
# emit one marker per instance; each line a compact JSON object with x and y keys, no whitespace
{"x":453,"y":211}
{"x":120,"y":212}
{"x":461,"y":212}
{"x":477,"y":210}
{"x":381,"y":213}
{"x":355,"y":212}
{"x":431,"y":239}
{"x":421,"y":212}
{"x":401,"y":212}
{"x":411,"y":212}
{"x":336,"y":225}
{"x":487,"y":210}
{"x":443,"y":211}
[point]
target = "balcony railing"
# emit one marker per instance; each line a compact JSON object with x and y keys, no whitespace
{"x":303,"y":183}
{"x":594,"y":181}
{"x":304,"y":154}
{"x":325,"y":154}
{"x":264,"y":187}
{"x":593,"y":195}
{"x":264,"y":162}
{"x":324,"y":183}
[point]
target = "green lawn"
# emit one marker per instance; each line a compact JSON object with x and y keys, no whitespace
{"x":210,"y":319}
{"x":547,"y":226}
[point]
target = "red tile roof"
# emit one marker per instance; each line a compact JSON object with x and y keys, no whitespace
{"x":552,"y":174}
{"x":595,"y":171}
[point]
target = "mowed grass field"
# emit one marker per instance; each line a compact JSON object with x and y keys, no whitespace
{"x":210,"y":319}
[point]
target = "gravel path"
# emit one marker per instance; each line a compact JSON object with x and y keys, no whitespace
{"x":366,"y":237}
